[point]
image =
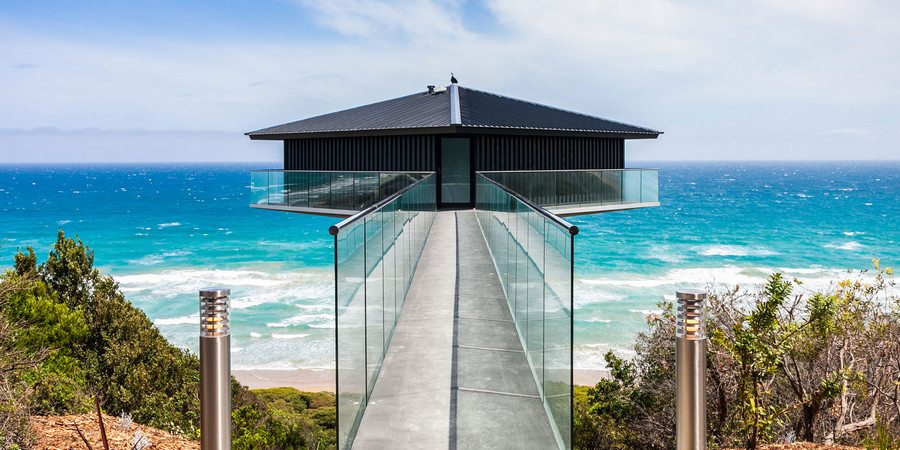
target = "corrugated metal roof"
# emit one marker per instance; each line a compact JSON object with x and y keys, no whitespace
{"x":484,"y":109}
{"x":478,"y":109}
{"x":420,"y":110}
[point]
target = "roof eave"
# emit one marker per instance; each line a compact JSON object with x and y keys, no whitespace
{"x":256,"y":136}
{"x":452,"y":129}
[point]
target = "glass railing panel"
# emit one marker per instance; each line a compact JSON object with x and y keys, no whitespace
{"x":375,"y":318}
{"x":295,"y":187}
{"x":259,"y":188}
{"x":532,"y":250}
{"x":520,"y":287}
{"x":631,"y":186}
{"x":582,"y":188}
{"x":319,"y":192}
{"x":341,"y":191}
{"x":649,"y":186}
{"x":351,"y":330}
{"x":557,"y":382}
{"x":389,"y":265}
{"x":611,"y":190}
{"x":376,"y":252}
{"x":367,"y":190}
{"x":534,"y":328}
{"x":276,"y":190}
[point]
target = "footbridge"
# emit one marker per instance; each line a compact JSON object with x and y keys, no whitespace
{"x":454,"y":327}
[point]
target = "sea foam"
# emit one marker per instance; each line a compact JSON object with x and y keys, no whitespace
{"x":183,"y":320}
{"x":733,"y":250}
{"x":727,"y":276}
{"x":249,"y":287}
{"x":849,"y":245}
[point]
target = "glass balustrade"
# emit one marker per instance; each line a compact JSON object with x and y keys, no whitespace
{"x":310,"y":191}
{"x":532,"y":250}
{"x":376,"y":253}
{"x":565,"y":190}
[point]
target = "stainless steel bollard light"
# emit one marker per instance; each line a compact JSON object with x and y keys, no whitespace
{"x":215,"y":370}
{"x":690,"y":370}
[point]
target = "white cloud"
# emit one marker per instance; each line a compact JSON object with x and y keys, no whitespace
{"x":695,"y":70}
{"x":415,"y":19}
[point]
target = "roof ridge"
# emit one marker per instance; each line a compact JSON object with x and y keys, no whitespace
{"x":558,"y":109}
{"x":455,"y":107}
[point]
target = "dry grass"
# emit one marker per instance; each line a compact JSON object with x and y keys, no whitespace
{"x":806,"y":446}
{"x":58,"y":433}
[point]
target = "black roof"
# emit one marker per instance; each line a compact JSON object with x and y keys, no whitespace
{"x":478,"y":112}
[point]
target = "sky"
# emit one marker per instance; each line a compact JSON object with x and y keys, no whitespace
{"x":167,"y":81}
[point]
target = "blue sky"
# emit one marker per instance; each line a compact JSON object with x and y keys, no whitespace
{"x":92,"y":81}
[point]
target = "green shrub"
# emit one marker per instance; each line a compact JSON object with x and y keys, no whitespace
{"x":782,"y":366}
{"x":300,"y":419}
{"x":85,"y":338}
{"x":46,"y":326}
{"x":15,"y":408}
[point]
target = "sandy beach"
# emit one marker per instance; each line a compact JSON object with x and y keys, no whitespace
{"x":309,"y":380}
{"x":320,"y":380}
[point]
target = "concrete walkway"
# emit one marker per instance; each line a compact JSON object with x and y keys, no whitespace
{"x":497,"y":402}
{"x":455,"y":375}
{"x":410,"y":403}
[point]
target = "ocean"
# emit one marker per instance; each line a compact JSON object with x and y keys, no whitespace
{"x":165,"y":231}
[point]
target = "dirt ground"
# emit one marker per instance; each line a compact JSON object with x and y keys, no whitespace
{"x":806,"y":446}
{"x":58,"y":433}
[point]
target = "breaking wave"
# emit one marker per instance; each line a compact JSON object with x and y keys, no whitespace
{"x":249,"y":288}
{"x":733,"y":250}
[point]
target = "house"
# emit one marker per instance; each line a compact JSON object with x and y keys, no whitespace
{"x":454,"y":263}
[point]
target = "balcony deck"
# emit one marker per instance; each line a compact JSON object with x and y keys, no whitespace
{"x":455,"y":375}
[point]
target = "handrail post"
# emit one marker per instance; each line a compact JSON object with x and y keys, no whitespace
{"x":215,"y":370}
{"x":690,"y":370}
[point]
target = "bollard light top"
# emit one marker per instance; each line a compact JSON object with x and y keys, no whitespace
{"x":214,"y":312}
{"x":690,"y":294}
{"x":215,"y":292}
{"x":689,"y":316}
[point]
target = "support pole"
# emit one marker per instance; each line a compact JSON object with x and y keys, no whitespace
{"x":215,"y":370}
{"x":690,"y":370}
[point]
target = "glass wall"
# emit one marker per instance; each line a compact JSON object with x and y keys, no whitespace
{"x":375,"y":256}
{"x":455,"y":181}
{"x":583,"y":188}
{"x":533,"y":253}
{"x":346,"y":191}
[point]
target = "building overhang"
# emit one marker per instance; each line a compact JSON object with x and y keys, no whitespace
{"x":595,"y":209}
{"x":327,"y":212}
{"x":454,"y":129}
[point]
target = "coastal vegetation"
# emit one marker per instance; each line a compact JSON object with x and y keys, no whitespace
{"x":785,"y":364}
{"x":69,"y":338}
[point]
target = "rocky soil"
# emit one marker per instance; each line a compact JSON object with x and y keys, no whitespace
{"x":59,"y":433}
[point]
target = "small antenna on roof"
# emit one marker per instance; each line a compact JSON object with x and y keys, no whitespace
{"x":453,"y":79}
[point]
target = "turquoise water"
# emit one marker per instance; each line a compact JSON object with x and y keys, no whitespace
{"x":166,"y":231}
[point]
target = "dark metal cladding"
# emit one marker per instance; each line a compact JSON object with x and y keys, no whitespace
{"x":416,"y":153}
{"x":411,"y":153}
{"x":504,"y":152}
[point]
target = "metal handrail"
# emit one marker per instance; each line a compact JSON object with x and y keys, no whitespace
{"x":572,"y":229}
{"x":340,"y":171}
{"x":336,"y":228}
{"x":570,"y":170}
